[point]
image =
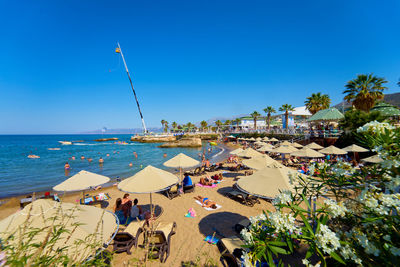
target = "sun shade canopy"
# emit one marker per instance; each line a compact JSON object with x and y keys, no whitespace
{"x":355,"y":148}
{"x":330,"y":114}
{"x":81,"y":181}
{"x":249,"y":153}
{"x":333,"y":150}
{"x":258,"y":163}
{"x":314,"y":146}
{"x":87,"y":224}
{"x":181,"y":161}
{"x":307,"y":153}
{"x":148,"y":180}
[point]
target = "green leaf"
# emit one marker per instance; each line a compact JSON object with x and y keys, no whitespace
{"x":337,"y":257}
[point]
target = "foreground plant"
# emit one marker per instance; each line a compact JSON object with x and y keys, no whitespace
{"x":340,"y":215}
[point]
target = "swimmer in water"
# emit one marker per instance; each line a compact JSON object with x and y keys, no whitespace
{"x":165,"y":155}
{"x":101,"y":160}
{"x":130,"y":164}
{"x":73,"y":158}
{"x":66,"y":166}
{"x":90,"y":159}
{"x":82,"y":158}
{"x":108,"y":155}
{"x":134,"y":153}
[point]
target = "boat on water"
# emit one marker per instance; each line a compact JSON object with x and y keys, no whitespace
{"x":65,"y":142}
{"x":33,"y":157}
{"x":54,"y":148}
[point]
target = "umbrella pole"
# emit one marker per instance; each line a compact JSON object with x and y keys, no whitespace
{"x":151,"y":207}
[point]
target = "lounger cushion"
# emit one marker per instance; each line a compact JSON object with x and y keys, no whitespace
{"x":232,"y":243}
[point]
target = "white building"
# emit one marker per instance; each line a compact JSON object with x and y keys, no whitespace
{"x":248,"y":123}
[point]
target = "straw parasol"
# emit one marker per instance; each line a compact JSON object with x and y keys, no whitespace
{"x":258,"y":163}
{"x":284,"y":149}
{"x":333,"y":150}
{"x":274,"y":139}
{"x":266,"y":147}
{"x":249,"y":153}
{"x":296,"y":145}
{"x":265,"y":139}
{"x":81,"y":181}
{"x":307,"y":153}
{"x":259,"y":143}
{"x":258,"y":139}
{"x":82,"y":223}
{"x":286,"y":143}
{"x":267,"y":182}
{"x":252,"y":139}
{"x":314,"y":146}
{"x":147,"y":181}
{"x":181,"y":161}
{"x":373,"y":159}
{"x":236,"y":151}
{"x":355,"y":148}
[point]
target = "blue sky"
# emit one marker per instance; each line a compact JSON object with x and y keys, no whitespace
{"x":190,"y":60}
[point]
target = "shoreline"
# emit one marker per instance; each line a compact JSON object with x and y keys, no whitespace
{"x":219,"y":157}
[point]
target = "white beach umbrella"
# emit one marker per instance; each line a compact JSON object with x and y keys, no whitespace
{"x":249,"y":153}
{"x":296,"y":145}
{"x":307,"y":153}
{"x":83,"y":225}
{"x":373,"y":159}
{"x":258,"y":139}
{"x":265,"y":139}
{"x":181,"y":161}
{"x":147,"y":181}
{"x":284,"y":149}
{"x":266,"y":148}
{"x":355,"y":148}
{"x":314,"y":146}
{"x":333,"y":150}
{"x":236,"y":151}
{"x":274,"y":139}
{"x":259,"y":162}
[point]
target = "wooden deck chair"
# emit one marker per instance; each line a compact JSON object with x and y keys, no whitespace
{"x":124,"y":241}
{"x":231,"y":250}
{"x":243,"y":198}
{"x":189,"y":188}
{"x":159,"y":240}
{"x":172,"y":192}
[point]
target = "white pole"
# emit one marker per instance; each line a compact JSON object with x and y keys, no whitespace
{"x":130,"y":80}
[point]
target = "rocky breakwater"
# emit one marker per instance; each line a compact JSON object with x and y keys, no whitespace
{"x":184,"y":142}
{"x":153,"y":139}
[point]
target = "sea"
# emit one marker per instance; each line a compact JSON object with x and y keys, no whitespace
{"x":21,"y":175}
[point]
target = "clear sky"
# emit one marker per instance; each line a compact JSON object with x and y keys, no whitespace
{"x":190,"y":60}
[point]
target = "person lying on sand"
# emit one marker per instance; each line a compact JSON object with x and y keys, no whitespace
{"x":205,"y":202}
{"x":206,"y":181}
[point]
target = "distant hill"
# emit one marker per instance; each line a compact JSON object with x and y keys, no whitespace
{"x":122,"y":131}
{"x":392,"y":99}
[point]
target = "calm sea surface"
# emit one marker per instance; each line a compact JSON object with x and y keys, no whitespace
{"x":21,"y":175}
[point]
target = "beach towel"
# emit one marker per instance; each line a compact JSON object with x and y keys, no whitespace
{"x":191,"y":213}
{"x":209,"y":209}
{"x":211,"y":239}
{"x":207,"y":186}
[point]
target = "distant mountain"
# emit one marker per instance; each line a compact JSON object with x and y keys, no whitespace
{"x":122,"y":131}
{"x":392,"y":99}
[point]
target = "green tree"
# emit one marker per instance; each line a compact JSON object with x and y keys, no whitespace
{"x":163,"y":124}
{"x":255,"y":115}
{"x":166,"y":126}
{"x":190,"y":126}
{"x":174,"y":125}
{"x":269,"y":110}
{"x":203,"y":125}
{"x":286,"y":108}
{"x":317,"y":102}
{"x":238,"y":121}
{"x":218,"y":123}
{"x":228,"y":123}
{"x":364,"y":90}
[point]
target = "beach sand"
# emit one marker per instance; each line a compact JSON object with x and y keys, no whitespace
{"x":187,"y":244}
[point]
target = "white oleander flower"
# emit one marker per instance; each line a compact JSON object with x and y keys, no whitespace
{"x":282,"y":222}
{"x":283,"y":197}
{"x":246,"y":260}
{"x":327,"y":239}
{"x":305,"y":262}
{"x":335,"y":209}
{"x":247,"y":236}
{"x":375,"y":127}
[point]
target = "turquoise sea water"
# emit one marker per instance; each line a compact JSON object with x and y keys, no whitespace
{"x":22,"y":175}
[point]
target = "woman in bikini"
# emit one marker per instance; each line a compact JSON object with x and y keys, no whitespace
{"x":205,"y":202}
{"x":206,"y":181}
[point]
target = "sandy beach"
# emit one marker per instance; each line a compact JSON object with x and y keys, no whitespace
{"x":188,"y":243}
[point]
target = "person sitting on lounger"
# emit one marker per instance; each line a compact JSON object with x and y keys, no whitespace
{"x":136,"y":210}
{"x":206,"y":181}
{"x":205,"y":202}
{"x":119,"y":212}
{"x":187,"y":181}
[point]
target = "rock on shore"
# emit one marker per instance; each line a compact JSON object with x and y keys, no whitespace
{"x":184,"y":142}
{"x":106,"y":139}
{"x":153,"y":139}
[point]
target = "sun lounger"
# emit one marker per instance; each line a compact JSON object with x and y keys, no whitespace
{"x":243,"y":198}
{"x":241,"y":225}
{"x":124,"y":241}
{"x":231,"y":250}
{"x":172,"y":192}
{"x":159,"y":240}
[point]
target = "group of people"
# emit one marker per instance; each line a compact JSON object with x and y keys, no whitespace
{"x":209,"y":181}
{"x":128,"y":210}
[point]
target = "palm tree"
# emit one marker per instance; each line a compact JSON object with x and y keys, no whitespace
{"x":317,"y":102}
{"x":189,"y":125}
{"x":238,"y":121}
{"x":203,"y":124}
{"x":218,"y":123}
{"x":228,"y":123}
{"x":364,"y":90}
{"x":166,"y":126}
{"x":174,"y":125}
{"x":269,"y":110}
{"x":286,"y":108}
{"x":255,"y":115}
{"x":162,"y":124}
